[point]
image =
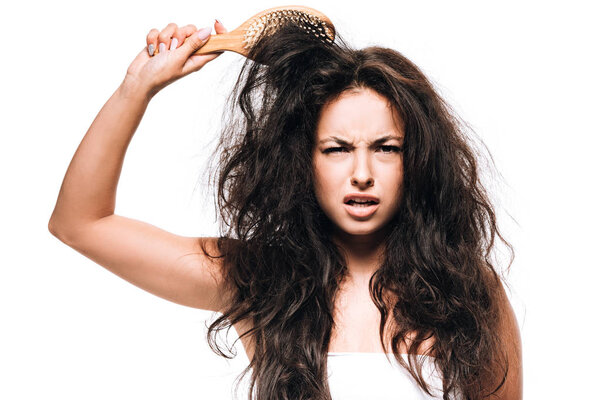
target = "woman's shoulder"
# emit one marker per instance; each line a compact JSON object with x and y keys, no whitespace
{"x":510,"y":338}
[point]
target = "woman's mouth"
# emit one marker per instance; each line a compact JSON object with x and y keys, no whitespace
{"x":361,"y":209}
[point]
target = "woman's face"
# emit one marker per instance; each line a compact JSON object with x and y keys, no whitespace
{"x":357,"y":158}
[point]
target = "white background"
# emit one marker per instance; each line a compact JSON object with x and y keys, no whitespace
{"x":523,"y":74}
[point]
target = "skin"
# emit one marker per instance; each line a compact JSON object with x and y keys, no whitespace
{"x":359,"y":117}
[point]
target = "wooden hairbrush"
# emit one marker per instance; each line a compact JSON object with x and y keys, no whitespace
{"x":266,"y":22}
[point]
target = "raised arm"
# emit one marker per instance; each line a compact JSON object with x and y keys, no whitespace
{"x":167,"y":265}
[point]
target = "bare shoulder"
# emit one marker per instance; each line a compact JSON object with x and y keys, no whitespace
{"x":510,"y":336}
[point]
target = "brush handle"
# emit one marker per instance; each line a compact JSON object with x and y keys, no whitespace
{"x":229,"y":41}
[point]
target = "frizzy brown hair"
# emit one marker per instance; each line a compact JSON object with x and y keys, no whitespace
{"x":280,"y":263}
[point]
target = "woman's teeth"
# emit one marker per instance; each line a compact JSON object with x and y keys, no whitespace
{"x":361,"y":204}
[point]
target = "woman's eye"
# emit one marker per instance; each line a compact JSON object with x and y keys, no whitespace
{"x":390,"y":149}
{"x":384,"y":149}
{"x":334,"y":150}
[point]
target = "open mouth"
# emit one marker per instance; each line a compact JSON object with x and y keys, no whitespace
{"x":361,"y":203}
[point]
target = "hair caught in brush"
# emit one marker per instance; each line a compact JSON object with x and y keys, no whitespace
{"x":279,"y":261}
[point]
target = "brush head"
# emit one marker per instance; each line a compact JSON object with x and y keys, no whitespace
{"x":270,"y":21}
{"x":264,"y":24}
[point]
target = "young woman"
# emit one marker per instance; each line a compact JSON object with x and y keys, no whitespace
{"x":355,"y":224}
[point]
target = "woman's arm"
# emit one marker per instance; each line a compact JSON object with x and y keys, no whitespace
{"x":88,"y":191}
{"x":84,"y":218}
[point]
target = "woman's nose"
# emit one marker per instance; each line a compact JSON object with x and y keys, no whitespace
{"x":362,"y":175}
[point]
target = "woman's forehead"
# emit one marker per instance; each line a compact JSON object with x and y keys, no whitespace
{"x":358,"y":115}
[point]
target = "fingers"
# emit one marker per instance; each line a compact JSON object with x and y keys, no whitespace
{"x":181,"y":34}
{"x":164,"y":37}
{"x":186,"y":40}
{"x":152,"y":41}
{"x":197,"y":61}
{"x":219,"y":27}
{"x":195,"y":41}
{"x":170,"y":38}
{"x":159,"y":42}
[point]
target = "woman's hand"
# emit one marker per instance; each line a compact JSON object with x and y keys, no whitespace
{"x":172,"y":57}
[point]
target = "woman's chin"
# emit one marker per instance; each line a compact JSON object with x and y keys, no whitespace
{"x":365,"y":229}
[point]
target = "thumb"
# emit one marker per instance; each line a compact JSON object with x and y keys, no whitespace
{"x":196,"y":61}
{"x":196,"y":41}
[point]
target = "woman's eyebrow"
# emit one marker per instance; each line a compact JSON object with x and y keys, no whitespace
{"x":341,"y":141}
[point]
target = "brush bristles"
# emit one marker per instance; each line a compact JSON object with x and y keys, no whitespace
{"x":269,"y":23}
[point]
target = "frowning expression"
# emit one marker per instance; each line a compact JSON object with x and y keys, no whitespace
{"x":357,"y":159}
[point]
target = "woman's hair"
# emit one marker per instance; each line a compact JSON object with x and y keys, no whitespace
{"x":280,"y":263}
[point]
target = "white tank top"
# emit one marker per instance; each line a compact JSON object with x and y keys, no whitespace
{"x":354,"y":376}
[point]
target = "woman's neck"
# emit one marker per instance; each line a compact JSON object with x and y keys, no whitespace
{"x":363,"y":253}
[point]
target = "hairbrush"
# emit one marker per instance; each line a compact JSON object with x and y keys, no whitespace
{"x":267,"y":22}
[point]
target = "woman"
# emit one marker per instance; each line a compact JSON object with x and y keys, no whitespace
{"x":354,"y":220}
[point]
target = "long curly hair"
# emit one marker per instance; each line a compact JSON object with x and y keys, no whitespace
{"x":280,"y":263}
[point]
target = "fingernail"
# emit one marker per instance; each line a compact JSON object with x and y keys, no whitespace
{"x":173,"y":44}
{"x":217,"y":21}
{"x":162,"y":47}
{"x":204,"y":33}
{"x":151,"y":49}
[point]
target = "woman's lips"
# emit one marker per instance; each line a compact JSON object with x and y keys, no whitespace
{"x":361,"y":211}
